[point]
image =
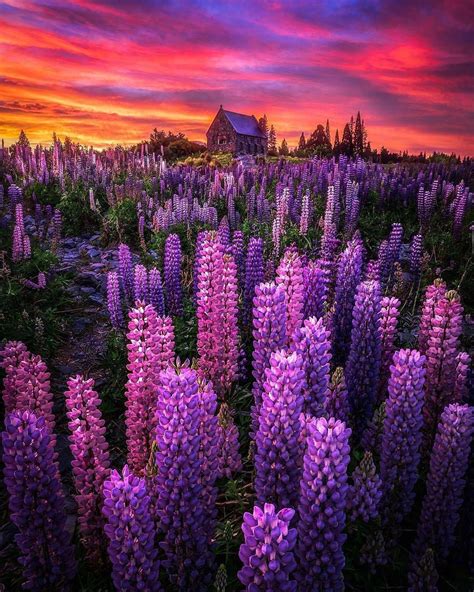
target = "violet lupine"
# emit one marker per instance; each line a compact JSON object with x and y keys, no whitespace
{"x":267,"y":552}
{"x":172,"y":275}
{"x":389,"y":313}
{"x":229,"y":329}
{"x":36,"y":503}
{"x":277,"y":449}
{"x":229,"y":458}
{"x":210,"y":307}
{"x":304,"y":218}
{"x":200,"y":238}
{"x":423,"y":576}
{"x":254,"y":273}
{"x":140,"y":283}
{"x":441,"y":358}
{"x":114,"y":303}
{"x":130,"y":529}
{"x":238,"y":254}
{"x":322,"y":507}
{"x":126,"y":270}
{"x":363,"y":364}
{"x":461,"y":382}
{"x":289,"y":277}
{"x":181,"y":485}
{"x":337,"y":399}
{"x":223,"y":232}
{"x":269,"y":335}
{"x":416,"y":256}
{"x":445,"y":482}
{"x":90,"y":464}
{"x":150,"y":350}
{"x":316,"y":284}
{"x":313,"y":344}
{"x":433,"y":295}
{"x":349,"y":271}
{"x":10,"y":357}
{"x":391,"y":253}
{"x":402,"y":435}
{"x":155,"y":286}
{"x":365,"y":492}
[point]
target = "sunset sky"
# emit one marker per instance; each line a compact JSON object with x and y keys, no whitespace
{"x":108,"y":72}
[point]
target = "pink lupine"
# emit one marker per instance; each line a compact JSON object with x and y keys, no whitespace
{"x":150,"y":350}
{"x":229,"y":364}
{"x":433,"y":294}
{"x":10,"y":357}
{"x":90,"y":464}
{"x":389,"y":313}
{"x":461,"y":385}
{"x":290,"y":279}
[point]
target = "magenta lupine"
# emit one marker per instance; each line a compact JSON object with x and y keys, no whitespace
{"x":363,"y":364}
{"x":349,"y":271}
{"x":322,"y":507}
{"x":433,"y":294}
{"x":181,"y":486}
{"x":254,"y":273}
{"x":402,"y":435}
{"x":441,"y":358}
{"x":365,"y":492}
{"x":126,"y":270}
{"x":289,"y":277}
{"x":230,"y":461}
{"x":316,"y":284}
{"x":269,"y":335}
{"x":229,"y":329}
{"x":210,"y":307}
{"x":445,"y":482}
{"x":155,"y":286}
{"x":36,"y":503}
{"x":172,"y":275}
{"x":10,"y":357}
{"x":461,"y":385}
{"x":114,"y":303}
{"x":267,"y":552}
{"x":389,"y":313}
{"x":90,"y":464}
{"x":277,"y":449}
{"x":140,"y":283}
{"x":416,"y":256}
{"x":312,"y":343}
{"x":337,"y":398}
{"x":130,"y":529}
{"x":150,"y":350}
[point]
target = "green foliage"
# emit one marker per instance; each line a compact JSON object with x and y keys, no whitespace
{"x":121,"y":223}
{"x":114,"y":363}
{"x":78,"y":217}
{"x":49,"y":194}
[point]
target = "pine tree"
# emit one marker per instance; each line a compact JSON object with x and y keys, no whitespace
{"x":351,"y":129}
{"x":328,"y":132}
{"x":337,"y":146}
{"x":284,"y":151}
{"x":263,"y":125}
{"x":23,"y":140}
{"x":302,"y":144}
{"x":358,"y":137}
{"x":272,"y":142}
{"x":346,"y":146}
{"x":318,"y":142}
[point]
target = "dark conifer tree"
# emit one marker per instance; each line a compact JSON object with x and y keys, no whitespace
{"x":318,"y":142}
{"x":272,"y":142}
{"x":284,"y":151}
{"x":263,"y":125}
{"x":337,"y":146}
{"x":346,"y":146}
{"x":302,"y":143}
{"x":328,"y":132}
{"x":358,"y":136}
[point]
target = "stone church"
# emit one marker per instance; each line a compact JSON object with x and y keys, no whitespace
{"x":235,"y":133}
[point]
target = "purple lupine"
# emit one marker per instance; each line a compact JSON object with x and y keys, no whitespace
{"x":254,"y":273}
{"x":349,"y":271}
{"x":277,"y":450}
{"x":267,"y":552}
{"x":363,"y":364}
{"x":322,"y":505}
{"x":172,"y":275}
{"x":126,"y":270}
{"x":337,"y":399}
{"x":200,"y":238}
{"x":150,"y":350}
{"x":223,"y":232}
{"x":229,"y":458}
{"x":269,"y":334}
{"x":416,"y":256}
{"x":304,"y":218}
{"x":238,"y":254}
{"x":181,"y":485}
{"x":365,"y":492}
{"x":461,"y":382}
{"x":441,"y":358}
{"x":90,"y":464}
{"x":36,"y":503}
{"x":391,"y":253}
{"x":114,"y":303}
{"x":229,"y":335}
{"x":289,"y":277}
{"x":402,"y":435}
{"x":316,"y":281}
{"x":445,"y":482}
{"x":155,"y":286}
{"x":130,"y":529}
{"x":140,"y":283}
{"x":11,"y":355}
{"x":312,"y":343}
{"x":423,"y":576}
{"x":389,"y":313}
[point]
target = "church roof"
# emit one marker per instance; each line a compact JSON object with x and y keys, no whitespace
{"x":244,"y":124}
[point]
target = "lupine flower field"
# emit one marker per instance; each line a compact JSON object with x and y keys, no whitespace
{"x":255,"y":376}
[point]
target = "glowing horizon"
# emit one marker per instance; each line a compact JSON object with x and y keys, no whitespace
{"x":107,"y":73}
